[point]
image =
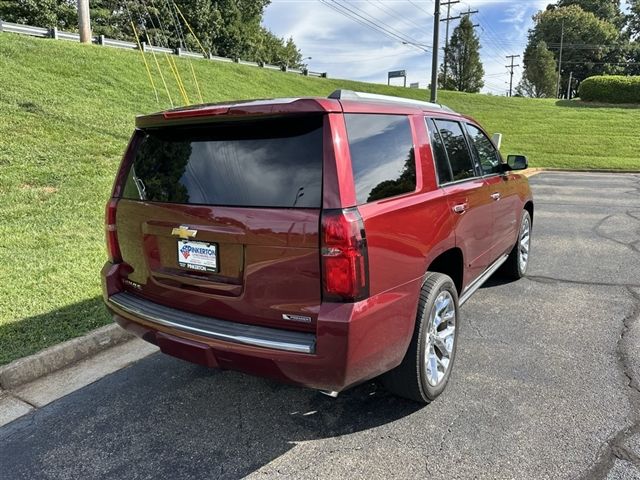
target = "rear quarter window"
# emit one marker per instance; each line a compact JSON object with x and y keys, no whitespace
{"x":261,"y":163}
{"x":382,"y":155}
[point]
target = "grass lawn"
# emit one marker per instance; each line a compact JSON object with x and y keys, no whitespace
{"x":66,"y":113}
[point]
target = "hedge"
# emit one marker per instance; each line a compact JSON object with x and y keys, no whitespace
{"x":610,"y":89}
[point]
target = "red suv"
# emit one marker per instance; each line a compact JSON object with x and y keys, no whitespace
{"x":317,"y":241}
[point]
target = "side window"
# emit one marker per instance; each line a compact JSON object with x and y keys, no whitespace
{"x":487,"y":154}
{"x":457,"y":149}
{"x":382,"y":155}
{"x":439,"y":154}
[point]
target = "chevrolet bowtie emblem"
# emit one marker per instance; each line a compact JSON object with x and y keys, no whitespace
{"x":184,"y":232}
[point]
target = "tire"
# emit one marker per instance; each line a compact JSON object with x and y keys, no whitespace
{"x":413,"y":378}
{"x":514,"y":268}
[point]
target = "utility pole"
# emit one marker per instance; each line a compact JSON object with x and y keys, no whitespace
{"x":512,"y":66}
{"x":434,"y":54}
{"x":569,"y":86}
{"x":84,"y":22}
{"x":560,"y":60}
{"x":446,"y":36}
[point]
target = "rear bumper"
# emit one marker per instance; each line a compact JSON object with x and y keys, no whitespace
{"x":353,"y":342}
{"x":211,"y":327}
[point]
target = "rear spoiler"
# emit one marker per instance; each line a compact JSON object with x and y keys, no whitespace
{"x":209,"y":112}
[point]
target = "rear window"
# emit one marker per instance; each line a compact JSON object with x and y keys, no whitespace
{"x":382,"y":155}
{"x":265,"y":163}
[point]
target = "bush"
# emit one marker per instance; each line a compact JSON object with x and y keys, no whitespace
{"x":610,"y":89}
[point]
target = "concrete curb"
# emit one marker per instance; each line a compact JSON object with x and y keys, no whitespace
{"x":529,"y":172}
{"x":57,"y":357}
{"x":587,"y":170}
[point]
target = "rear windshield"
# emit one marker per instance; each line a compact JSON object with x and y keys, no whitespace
{"x":265,"y":163}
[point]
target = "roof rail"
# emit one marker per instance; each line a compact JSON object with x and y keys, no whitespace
{"x":351,"y":95}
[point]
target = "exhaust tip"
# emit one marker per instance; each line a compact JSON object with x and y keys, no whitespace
{"x":329,"y":393}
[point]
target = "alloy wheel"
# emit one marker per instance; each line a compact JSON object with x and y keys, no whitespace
{"x":524,"y":243}
{"x":440,"y":338}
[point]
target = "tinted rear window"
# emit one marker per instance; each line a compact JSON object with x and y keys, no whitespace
{"x":382,"y":156}
{"x":439,"y":154}
{"x":266,"y":163}
{"x":457,"y":150}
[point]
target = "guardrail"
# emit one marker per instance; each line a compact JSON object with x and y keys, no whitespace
{"x":109,"y":42}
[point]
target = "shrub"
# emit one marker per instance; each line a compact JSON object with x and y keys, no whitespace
{"x":610,"y":89}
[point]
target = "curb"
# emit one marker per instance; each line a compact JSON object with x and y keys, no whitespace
{"x":529,"y":172}
{"x":28,"y":369}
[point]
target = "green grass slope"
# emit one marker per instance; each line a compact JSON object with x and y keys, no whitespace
{"x":66,"y":113}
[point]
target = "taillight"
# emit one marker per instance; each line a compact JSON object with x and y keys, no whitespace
{"x":113,"y":249}
{"x":345,"y":263}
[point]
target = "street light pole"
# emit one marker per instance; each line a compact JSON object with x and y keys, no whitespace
{"x":434,"y":54}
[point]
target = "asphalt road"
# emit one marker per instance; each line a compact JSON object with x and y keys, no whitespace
{"x":546,"y":384}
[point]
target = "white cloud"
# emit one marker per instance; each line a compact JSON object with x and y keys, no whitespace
{"x":346,"y":49}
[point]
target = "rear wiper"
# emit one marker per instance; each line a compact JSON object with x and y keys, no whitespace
{"x":299,"y":194}
{"x":142,"y":190}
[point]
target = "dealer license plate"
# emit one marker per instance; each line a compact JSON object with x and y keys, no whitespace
{"x":199,"y":256}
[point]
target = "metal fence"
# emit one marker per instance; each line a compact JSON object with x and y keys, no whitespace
{"x":109,"y":42}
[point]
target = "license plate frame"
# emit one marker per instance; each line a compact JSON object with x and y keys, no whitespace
{"x":198,"y":256}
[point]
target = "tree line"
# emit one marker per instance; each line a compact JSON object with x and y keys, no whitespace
{"x":227,"y":28}
{"x":596,"y":37}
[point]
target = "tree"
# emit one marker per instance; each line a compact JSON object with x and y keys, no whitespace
{"x":43,"y":13}
{"x":607,"y":10}
{"x":633,"y":57}
{"x":229,"y":28}
{"x":465,"y":69}
{"x":633,"y":19}
{"x":591,"y":46}
{"x":539,"y":76}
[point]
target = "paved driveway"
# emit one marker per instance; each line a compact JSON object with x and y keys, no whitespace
{"x":545,"y":386}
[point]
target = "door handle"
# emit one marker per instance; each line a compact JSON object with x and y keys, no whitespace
{"x":495,"y":196}
{"x":461,"y":208}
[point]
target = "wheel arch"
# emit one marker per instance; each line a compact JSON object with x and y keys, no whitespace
{"x":529,"y":208}
{"x":451,"y":263}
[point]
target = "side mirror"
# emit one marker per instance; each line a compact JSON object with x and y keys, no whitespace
{"x":517,"y":162}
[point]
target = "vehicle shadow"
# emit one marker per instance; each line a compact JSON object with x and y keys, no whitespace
{"x":581,"y":104}
{"x":165,"y":418}
{"x":32,"y":334}
{"x":497,"y":280}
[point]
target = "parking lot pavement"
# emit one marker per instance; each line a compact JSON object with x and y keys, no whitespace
{"x":546,"y":384}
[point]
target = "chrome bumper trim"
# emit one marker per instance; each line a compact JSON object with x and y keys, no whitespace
{"x":266,"y":337}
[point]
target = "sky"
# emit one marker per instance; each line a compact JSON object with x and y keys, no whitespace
{"x":344,"y":48}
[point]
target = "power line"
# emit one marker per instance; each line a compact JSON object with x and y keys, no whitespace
{"x":377,"y":22}
{"x":372,"y":25}
{"x":419,"y":8}
{"x":410,"y":23}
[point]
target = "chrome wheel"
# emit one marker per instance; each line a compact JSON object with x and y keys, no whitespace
{"x":440,"y":338}
{"x":524,"y":243}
